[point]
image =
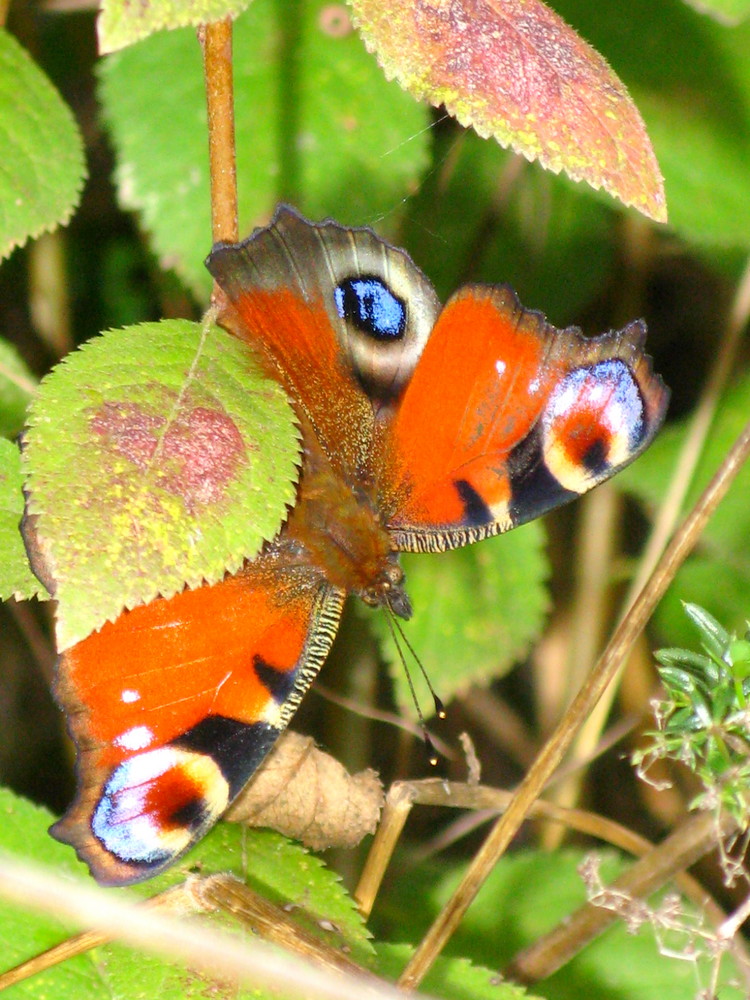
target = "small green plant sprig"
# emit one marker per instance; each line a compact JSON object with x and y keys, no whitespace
{"x":704,"y":721}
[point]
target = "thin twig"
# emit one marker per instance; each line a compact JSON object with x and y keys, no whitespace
{"x":403,"y":795}
{"x":226,"y":893}
{"x":553,"y":751}
{"x":594,"y":556}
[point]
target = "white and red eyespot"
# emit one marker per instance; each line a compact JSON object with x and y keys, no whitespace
{"x":593,"y":422}
{"x":155,"y":803}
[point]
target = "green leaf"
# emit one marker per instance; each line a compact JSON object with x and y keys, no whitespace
{"x":690,"y":79}
{"x":157,"y":457}
{"x":526,"y":895}
{"x":16,"y":578}
{"x":43,"y":163}
{"x":17,"y":386}
{"x":476,"y":611}
{"x":121,"y":23}
{"x":284,"y":872}
{"x":517,"y":72}
{"x":279,"y":869}
{"x":714,"y":636}
{"x":450,"y":978}
{"x":316,"y":123}
{"x":678,"y":681}
{"x":24,"y":933}
{"x":712,"y":582}
{"x":724,"y":11}
{"x":698,"y":663}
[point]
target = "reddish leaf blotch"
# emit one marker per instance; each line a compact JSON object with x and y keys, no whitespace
{"x":195,"y":458}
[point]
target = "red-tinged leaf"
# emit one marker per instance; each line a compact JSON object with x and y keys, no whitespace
{"x":514,"y":70}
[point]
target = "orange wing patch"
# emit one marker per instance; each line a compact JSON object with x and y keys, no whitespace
{"x":480,"y":385}
{"x":299,"y":350}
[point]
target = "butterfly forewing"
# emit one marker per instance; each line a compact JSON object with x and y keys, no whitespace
{"x":339,"y":315}
{"x":174,"y":705}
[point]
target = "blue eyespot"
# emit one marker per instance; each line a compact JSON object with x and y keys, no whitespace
{"x":369,"y":305}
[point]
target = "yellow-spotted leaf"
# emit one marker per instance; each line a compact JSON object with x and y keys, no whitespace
{"x":156,"y":457}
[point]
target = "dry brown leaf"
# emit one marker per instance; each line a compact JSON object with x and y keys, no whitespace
{"x":307,"y":794}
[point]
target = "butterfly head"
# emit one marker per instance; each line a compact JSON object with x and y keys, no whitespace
{"x":388,"y":591}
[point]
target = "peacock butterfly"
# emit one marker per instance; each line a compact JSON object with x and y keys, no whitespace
{"x":423,"y":427}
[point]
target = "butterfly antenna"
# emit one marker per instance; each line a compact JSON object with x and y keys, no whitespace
{"x":395,"y":631}
{"x":439,"y":706}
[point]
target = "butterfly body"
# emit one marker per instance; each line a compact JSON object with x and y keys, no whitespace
{"x":423,"y":428}
{"x":335,"y":527}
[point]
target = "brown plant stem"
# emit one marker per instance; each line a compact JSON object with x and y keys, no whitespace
{"x":226,"y":893}
{"x":203,"y":948}
{"x":552,"y":753}
{"x":687,"y":462}
{"x":594,"y":546}
{"x":216,"y":42}
{"x":403,"y":795}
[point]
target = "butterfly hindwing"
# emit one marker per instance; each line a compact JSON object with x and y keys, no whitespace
{"x":506,"y":417}
{"x":174,"y":705}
